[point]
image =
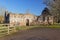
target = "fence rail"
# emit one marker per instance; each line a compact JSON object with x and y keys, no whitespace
{"x":5,"y":30}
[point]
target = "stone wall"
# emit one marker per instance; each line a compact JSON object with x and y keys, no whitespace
{"x":19,"y":19}
{"x":48,"y":20}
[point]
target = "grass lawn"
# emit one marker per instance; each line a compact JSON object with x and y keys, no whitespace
{"x":37,"y":26}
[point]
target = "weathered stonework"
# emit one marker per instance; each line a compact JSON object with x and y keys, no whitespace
{"x":46,"y":17}
{"x":29,"y":19}
{"x":20,"y":19}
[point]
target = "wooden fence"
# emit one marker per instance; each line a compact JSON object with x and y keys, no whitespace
{"x":5,"y":29}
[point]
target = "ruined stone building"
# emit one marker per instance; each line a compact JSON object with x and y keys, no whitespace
{"x":19,"y":19}
{"x":45,"y":17}
{"x":29,"y":19}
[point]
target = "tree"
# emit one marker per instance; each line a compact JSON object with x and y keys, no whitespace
{"x":54,"y":6}
{"x":2,"y":12}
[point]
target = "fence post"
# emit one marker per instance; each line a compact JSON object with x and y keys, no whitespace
{"x":8,"y":29}
{"x":14,"y":29}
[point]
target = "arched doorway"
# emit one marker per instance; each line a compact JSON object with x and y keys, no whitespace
{"x":27,"y":22}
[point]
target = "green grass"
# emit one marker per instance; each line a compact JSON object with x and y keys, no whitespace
{"x":38,"y":26}
{"x":24,"y":27}
{"x":54,"y":26}
{"x":29,"y":27}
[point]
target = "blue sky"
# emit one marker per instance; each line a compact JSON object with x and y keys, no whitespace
{"x":21,"y":6}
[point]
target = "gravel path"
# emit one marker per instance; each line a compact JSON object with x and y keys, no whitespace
{"x":35,"y":34}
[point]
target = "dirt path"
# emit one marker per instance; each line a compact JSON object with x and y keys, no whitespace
{"x":35,"y":34}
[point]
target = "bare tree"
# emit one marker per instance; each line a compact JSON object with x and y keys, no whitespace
{"x":2,"y":11}
{"x":54,"y":6}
